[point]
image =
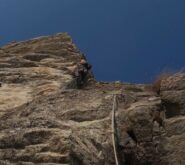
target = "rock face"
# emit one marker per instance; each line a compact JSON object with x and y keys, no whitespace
{"x":173,"y":94}
{"x":43,"y":120}
{"x":35,"y":68}
{"x":173,"y":143}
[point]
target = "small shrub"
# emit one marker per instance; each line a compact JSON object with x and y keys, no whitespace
{"x":156,"y":86}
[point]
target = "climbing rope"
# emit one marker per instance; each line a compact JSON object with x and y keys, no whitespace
{"x":114,"y":108}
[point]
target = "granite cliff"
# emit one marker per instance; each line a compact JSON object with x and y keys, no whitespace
{"x":45,"y":120}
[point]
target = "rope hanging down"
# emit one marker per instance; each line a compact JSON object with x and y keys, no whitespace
{"x":114,"y":108}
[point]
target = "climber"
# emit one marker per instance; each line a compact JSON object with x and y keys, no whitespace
{"x":81,"y":72}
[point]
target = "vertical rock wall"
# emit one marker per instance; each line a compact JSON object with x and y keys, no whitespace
{"x":43,"y":122}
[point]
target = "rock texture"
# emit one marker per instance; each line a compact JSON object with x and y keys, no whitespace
{"x":173,"y":143}
{"x":35,"y":68}
{"x":45,"y":120}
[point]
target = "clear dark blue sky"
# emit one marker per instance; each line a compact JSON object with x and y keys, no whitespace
{"x":128,"y":40}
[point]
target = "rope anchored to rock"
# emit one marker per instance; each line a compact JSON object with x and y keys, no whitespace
{"x":114,"y":132}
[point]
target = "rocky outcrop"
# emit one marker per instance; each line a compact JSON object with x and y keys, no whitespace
{"x":35,"y":68}
{"x":45,"y":120}
{"x":173,"y":97}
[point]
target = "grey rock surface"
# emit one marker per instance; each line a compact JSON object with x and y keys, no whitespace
{"x":44,"y":121}
{"x":173,"y":98}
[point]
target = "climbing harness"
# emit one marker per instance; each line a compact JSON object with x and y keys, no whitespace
{"x":114,"y":109}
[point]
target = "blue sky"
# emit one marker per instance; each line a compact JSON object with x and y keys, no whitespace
{"x":128,"y":40}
